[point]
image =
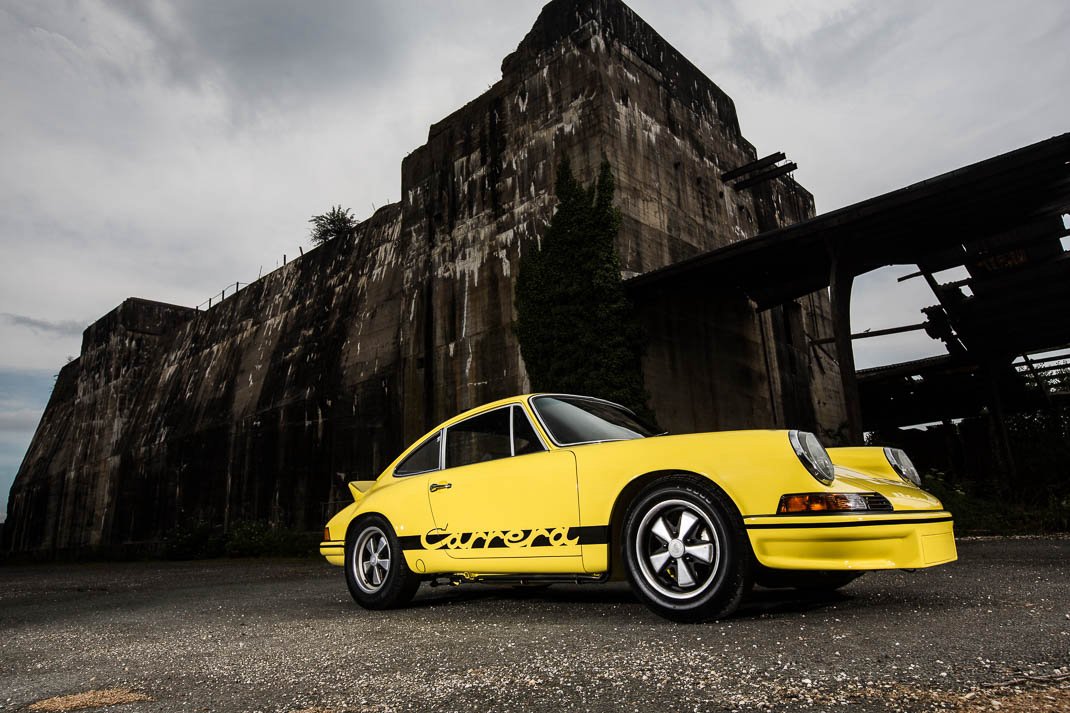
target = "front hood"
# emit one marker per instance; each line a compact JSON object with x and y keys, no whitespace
{"x":902,"y":495}
{"x":866,"y":469}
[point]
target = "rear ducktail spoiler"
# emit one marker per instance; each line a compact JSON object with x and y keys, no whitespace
{"x":359,"y":487}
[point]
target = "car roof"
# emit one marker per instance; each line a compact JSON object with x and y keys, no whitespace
{"x":520,"y":398}
{"x":475,"y":410}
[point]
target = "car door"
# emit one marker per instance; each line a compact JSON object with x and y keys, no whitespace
{"x":503,"y":494}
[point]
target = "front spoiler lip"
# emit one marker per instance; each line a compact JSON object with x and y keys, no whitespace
{"x":889,"y":540}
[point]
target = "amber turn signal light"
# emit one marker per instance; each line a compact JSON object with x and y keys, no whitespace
{"x":821,"y":502}
{"x":326,"y":534}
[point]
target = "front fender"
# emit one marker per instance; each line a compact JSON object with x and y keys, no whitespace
{"x":753,"y":468}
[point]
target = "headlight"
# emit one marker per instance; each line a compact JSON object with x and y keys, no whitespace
{"x":813,"y":455}
{"x":901,"y":464}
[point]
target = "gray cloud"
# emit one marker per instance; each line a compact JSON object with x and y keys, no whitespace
{"x":19,"y":421}
{"x":165,"y":149}
{"x":860,"y":40}
{"x":65,"y":328}
{"x":276,"y":52}
{"x":853,"y":40}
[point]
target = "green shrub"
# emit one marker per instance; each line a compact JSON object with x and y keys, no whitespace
{"x":249,"y":539}
{"x":295,"y":543}
{"x":980,"y":514}
{"x":1021,"y":486}
{"x":194,"y":540}
{"x":252,"y":538}
{"x":335,"y":223}
{"x":257,"y":538}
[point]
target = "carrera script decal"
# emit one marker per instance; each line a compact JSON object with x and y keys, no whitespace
{"x":538,"y":537}
{"x":442,"y":539}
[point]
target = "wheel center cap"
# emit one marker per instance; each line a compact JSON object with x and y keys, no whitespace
{"x":373,"y":560}
{"x":676,"y":548}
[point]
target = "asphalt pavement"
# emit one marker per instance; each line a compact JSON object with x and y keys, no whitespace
{"x":989,"y":632}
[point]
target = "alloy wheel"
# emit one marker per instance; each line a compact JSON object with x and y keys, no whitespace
{"x":677,"y":549}
{"x":371,"y":560}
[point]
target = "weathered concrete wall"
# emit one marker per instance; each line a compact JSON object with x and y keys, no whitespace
{"x":246,"y":411}
{"x":262,"y":407}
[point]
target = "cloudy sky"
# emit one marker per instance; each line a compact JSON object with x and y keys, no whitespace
{"x":166,"y":149}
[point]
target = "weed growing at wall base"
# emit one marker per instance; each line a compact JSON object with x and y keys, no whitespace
{"x":201,"y":540}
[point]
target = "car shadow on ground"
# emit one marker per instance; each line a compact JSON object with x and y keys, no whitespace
{"x":767,"y":602}
{"x":555,"y":594}
{"x":760,"y":603}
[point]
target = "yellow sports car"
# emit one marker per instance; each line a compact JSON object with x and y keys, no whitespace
{"x":558,"y":488}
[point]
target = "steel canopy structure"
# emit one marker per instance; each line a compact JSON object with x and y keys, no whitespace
{"x":1001,"y":219}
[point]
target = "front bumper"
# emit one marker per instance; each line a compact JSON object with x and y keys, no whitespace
{"x":854,"y":541}
{"x":334,"y":551}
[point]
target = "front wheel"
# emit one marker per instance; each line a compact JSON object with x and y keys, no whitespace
{"x":376,"y":572}
{"x":685,"y":550}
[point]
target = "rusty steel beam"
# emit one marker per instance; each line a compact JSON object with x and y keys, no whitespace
{"x":753,"y":166}
{"x":765,"y":176}
{"x":875,"y":333}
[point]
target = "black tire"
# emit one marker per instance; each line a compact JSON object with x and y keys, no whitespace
{"x":699,"y":575}
{"x":373,"y":584}
{"x":808,"y":581}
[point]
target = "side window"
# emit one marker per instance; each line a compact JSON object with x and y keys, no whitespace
{"x":421,"y":460}
{"x":479,"y":439}
{"x":525,"y":439}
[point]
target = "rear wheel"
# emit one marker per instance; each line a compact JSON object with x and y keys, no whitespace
{"x":375,"y":568}
{"x":685,"y":550}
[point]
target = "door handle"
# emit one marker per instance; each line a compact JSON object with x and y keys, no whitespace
{"x":440,"y":486}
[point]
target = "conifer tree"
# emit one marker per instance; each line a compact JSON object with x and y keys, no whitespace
{"x":575,"y":325}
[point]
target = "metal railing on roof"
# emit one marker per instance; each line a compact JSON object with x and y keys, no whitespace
{"x":215,"y":299}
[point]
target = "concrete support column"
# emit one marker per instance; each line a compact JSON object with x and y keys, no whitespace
{"x":840,"y":283}
{"x":998,"y":421}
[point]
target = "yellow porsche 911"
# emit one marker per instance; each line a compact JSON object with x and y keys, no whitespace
{"x":557,"y":488}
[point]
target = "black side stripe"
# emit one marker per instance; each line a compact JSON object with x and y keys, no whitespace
{"x":591,"y":534}
{"x":587,"y":535}
{"x":844,"y":513}
{"x":871,"y":523}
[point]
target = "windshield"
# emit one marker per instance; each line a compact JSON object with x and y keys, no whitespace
{"x":572,"y":420}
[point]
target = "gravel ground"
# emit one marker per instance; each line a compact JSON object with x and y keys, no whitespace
{"x":283,"y":635}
